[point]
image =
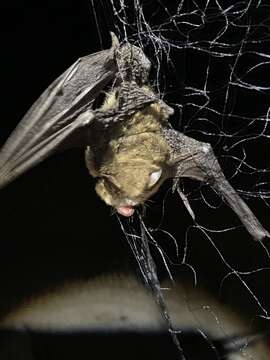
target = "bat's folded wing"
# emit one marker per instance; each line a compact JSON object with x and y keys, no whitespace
{"x":196,"y":160}
{"x":59,"y":115}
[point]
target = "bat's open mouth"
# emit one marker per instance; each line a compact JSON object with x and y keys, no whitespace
{"x":125,"y":210}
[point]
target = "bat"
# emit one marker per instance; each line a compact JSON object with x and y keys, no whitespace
{"x":130,"y":146}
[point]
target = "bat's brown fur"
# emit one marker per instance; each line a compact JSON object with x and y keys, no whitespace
{"x":137,"y":149}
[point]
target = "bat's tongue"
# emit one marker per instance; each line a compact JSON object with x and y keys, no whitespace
{"x":125,"y":210}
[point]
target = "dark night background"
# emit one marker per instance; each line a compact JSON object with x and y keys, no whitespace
{"x":53,"y":226}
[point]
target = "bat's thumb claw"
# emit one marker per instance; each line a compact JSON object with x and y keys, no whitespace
{"x":115,"y":41}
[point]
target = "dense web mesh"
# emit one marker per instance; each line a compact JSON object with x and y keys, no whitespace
{"x":211,"y":63}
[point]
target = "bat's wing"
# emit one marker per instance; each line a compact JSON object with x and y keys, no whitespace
{"x":196,"y":160}
{"x":60,"y":114}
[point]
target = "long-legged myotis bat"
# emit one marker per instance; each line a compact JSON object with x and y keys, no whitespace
{"x":130,"y":146}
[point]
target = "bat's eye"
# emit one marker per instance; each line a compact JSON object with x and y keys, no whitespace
{"x":154,"y":177}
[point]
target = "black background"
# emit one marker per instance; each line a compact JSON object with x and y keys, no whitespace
{"x":53,"y":225}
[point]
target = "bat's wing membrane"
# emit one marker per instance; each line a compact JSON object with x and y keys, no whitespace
{"x":59,"y":115}
{"x":196,"y":160}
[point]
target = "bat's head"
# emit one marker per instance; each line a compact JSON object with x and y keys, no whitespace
{"x":133,"y":185}
{"x":132,"y":170}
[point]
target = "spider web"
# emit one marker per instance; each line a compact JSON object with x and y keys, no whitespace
{"x":211,"y":63}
